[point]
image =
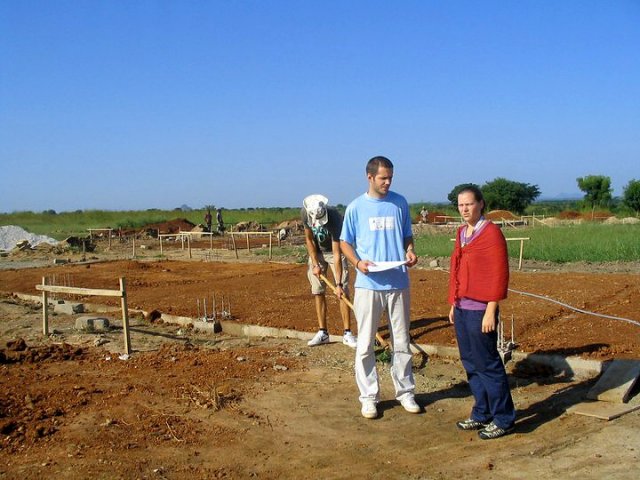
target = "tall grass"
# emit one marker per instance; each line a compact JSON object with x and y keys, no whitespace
{"x":576,"y":243}
{"x":588,"y":242}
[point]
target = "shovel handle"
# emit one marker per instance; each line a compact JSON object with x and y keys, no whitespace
{"x":381,"y":340}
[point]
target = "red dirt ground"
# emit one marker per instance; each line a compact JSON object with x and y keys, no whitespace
{"x":188,"y":404}
{"x":277,"y":295}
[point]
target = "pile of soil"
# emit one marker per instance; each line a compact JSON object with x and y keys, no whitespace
{"x":153,"y":229}
{"x":501,"y":215}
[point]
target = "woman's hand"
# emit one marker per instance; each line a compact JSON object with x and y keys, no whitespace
{"x":488,"y":322}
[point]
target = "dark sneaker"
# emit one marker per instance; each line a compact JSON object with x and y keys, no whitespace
{"x":471,"y":424}
{"x":493,"y":431}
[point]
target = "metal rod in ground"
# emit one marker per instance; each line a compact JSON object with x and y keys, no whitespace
{"x":217,"y":326}
{"x":198,"y":302}
{"x":381,"y":340}
{"x":204,"y":301}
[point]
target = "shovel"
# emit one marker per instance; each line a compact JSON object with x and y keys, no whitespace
{"x":379,"y":338}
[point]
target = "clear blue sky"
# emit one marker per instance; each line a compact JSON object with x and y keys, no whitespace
{"x":155,"y":104}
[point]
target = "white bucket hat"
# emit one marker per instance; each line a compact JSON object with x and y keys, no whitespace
{"x":316,"y":207}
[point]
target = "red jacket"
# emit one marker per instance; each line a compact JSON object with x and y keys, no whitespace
{"x":480,"y":269}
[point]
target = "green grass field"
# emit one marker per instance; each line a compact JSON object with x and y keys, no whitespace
{"x":588,"y":242}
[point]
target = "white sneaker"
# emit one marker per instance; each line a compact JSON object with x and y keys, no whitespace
{"x":319,"y":338}
{"x":409,"y":404}
{"x":369,"y":409}
{"x":349,"y":340}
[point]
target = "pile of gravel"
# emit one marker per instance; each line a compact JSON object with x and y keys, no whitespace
{"x":10,"y":235}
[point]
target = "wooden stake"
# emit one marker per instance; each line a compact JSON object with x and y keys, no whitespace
{"x":125,"y":315}
{"x":45,"y":316}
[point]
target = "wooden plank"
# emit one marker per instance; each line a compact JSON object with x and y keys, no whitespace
{"x":79,"y":291}
{"x":603,"y":410}
{"x":617,"y":381}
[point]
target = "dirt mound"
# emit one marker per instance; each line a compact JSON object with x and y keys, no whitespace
{"x":589,"y":216}
{"x":501,"y":215}
{"x":249,"y":227}
{"x":18,"y":351}
{"x":170,"y":226}
{"x":294,"y":225}
{"x":597,"y":215}
{"x":568,"y":215}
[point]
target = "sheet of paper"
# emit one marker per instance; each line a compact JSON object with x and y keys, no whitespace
{"x":382,"y":266}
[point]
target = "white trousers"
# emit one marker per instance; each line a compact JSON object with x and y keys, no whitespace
{"x":369,"y":306}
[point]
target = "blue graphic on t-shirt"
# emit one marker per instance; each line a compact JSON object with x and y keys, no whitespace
{"x":321,"y":233}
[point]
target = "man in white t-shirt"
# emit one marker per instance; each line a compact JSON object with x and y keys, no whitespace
{"x":377,"y":228}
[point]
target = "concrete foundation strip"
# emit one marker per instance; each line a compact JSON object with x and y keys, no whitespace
{"x":575,"y":366}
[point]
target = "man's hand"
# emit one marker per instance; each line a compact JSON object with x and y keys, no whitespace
{"x":317,"y":270}
{"x":363,"y":265}
{"x":411,"y":257}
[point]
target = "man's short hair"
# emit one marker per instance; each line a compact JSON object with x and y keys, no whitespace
{"x":375,"y":163}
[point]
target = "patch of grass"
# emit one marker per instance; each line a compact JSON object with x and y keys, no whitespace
{"x":587,"y":242}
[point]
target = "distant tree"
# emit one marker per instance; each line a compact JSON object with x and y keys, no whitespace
{"x":453,"y":195}
{"x":597,"y":189}
{"x":503,"y":194}
{"x":49,"y":212}
{"x":631,"y":195}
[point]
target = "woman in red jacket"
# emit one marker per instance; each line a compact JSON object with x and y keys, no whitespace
{"x":478,"y":281}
